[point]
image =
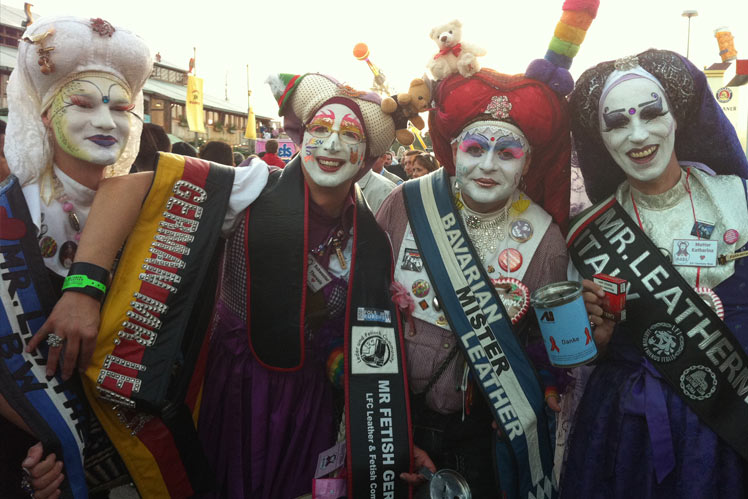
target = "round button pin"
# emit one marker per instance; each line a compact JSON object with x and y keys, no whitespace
{"x":48,"y":246}
{"x":510,"y":260}
{"x":521,"y":230}
{"x":421,"y":288}
{"x":731,"y":236}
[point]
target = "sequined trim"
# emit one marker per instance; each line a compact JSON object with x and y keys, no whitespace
{"x":499,"y":107}
{"x":626,"y":63}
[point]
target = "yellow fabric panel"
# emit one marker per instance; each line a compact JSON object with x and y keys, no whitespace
{"x":139,"y":461}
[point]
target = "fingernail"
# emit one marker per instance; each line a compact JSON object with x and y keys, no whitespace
{"x":26,"y":462}
{"x":49,"y":373}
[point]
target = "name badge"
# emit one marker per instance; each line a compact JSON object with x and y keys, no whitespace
{"x":316,"y":276}
{"x":694,"y":253}
{"x":330,"y":460}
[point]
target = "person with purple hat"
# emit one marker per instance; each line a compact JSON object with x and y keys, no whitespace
{"x":664,"y":412}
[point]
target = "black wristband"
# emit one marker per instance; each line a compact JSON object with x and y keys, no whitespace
{"x":88,"y":279}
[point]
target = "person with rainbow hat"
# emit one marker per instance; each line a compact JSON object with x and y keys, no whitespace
{"x":472,"y":240}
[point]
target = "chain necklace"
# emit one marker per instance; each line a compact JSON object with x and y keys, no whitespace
{"x":485,"y":230}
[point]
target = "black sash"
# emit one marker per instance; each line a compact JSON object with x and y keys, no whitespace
{"x":377,"y":413}
{"x":674,"y":328}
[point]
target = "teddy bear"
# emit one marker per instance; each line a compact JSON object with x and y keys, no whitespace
{"x":454,"y":55}
{"x":405,"y":107}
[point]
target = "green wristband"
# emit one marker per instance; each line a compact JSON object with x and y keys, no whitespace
{"x":82,"y":281}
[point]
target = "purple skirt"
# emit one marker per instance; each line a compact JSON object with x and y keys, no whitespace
{"x":634,"y":437}
{"x":262,"y":430}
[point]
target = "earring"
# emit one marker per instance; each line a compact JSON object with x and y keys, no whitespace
{"x":522,"y":184}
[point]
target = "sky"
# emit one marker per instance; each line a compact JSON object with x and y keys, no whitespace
{"x":299,"y":36}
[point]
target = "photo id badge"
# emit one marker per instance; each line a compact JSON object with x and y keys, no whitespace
{"x":694,"y":253}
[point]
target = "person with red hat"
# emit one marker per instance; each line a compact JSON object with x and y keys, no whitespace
{"x":501,"y":200}
{"x":472,"y":240}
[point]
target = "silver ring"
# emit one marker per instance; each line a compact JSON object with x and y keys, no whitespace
{"x":26,"y":484}
{"x":54,"y":340}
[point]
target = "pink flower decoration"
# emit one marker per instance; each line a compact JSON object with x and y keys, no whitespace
{"x":401,"y":297}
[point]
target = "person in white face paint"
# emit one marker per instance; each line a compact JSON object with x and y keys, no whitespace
{"x":664,"y":165}
{"x":75,"y":115}
{"x":500,"y":200}
{"x":306,"y":271}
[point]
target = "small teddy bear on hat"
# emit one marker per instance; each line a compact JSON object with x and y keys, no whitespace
{"x":405,"y":107}
{"x":454,"y":55}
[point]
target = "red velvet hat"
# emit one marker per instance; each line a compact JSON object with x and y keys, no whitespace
{"x":531,"y":105}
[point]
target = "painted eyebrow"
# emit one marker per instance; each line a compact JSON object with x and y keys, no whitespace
{"x":508,"y":142}
{"x":329,"y":114}
{"x":657,"y":99}
{"x":351,"y":118}
{"x":623,"y":109}
{"x":481,"y":139}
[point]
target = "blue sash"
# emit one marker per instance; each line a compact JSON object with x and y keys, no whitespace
{"x":476,"y":315}
{"x":54,"y":414}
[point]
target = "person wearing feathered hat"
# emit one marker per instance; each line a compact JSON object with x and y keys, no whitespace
{"x":663,"y":413}
{"x":304,"y":331}
{"x":492,"y":218}
{"x":75,"y":110}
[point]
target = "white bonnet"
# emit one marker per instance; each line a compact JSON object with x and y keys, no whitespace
{"x":79,"y":46}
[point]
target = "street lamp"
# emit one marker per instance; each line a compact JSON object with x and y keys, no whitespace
{"x":689,"y":14}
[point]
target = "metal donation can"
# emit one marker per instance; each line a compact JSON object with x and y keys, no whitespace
{"x":566,"y":329}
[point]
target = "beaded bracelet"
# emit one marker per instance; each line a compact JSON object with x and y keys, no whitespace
{"x":88,"y":279}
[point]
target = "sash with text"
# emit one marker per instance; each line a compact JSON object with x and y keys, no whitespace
{"x":693,"y":350}
{"x":477,"y":317}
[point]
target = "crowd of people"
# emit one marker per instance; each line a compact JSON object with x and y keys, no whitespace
{"x":348,"y":323}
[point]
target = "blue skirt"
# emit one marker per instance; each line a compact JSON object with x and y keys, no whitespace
{"x":634,"y":437}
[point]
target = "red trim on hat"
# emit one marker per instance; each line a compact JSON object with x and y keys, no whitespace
{"x":288,"y":88}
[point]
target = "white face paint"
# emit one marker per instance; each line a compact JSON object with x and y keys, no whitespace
{"x":638,"y":129}
{"x":90,"y":117}
{"x":333,"y":145}
{"x":489,"y":162}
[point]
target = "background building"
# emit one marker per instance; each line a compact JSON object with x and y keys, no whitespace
{"x":164,"y":93}
{"x":729,"y":83}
